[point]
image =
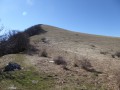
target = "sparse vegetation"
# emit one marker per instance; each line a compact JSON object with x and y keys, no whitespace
{"x":58,"y":72}
{"x":28,"y":80}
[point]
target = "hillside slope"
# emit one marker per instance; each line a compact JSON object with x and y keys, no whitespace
{"x":92,"y":61}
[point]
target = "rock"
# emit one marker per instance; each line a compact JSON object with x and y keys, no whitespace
{"x":51,"y":61}
{"x":12,"y":67}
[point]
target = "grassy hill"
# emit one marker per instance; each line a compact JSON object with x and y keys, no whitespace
{"x":64,"y":60}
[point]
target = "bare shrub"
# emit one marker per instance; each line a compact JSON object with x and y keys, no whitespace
{"x":3,"y":44}
{"x":60,"y":61}
{"x":86,"y":65}
{"x":103,"y":52}
{"x":45,"y":40}
{"x":93,"y":46}
{"x":14,"y":42}
{"x":44,"y":53}
{"x":113,"y":56}
{"x":65,"y":68}
{"x":83,"y":63}
{"x":19,"y":42}
{"x":77,"y":63}
{"x":117,"y":54}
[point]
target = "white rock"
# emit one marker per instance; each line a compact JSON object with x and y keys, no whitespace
{"x":51,"y":61}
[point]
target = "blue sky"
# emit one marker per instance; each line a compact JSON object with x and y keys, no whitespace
{"x":100,"y":17}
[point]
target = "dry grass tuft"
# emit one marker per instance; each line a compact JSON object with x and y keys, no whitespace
{"x":104,"y":52}
{"x":44,"y":53}
{"x":60,"y":61}
{"x":117,"y":54}
{"x":86,"y":65}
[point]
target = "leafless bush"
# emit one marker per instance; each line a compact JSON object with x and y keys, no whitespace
{"x":60,"y":61}
{"x":14,"y":42}
{"x":113,"y":56}
{"x":86,"y":65}
{"x":44,"y":53}
{"x":45,"y":40}
{"x":65,"y":68}
{"x":117,"y":54}
{"x":20,"y":41}
{"x":93,"y":46}
{"x":104,"y":52}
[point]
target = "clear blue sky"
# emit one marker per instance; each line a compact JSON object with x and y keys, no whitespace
{"x":100,"y":17}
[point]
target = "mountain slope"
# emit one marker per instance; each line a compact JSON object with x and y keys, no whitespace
{"x":91,"y":61}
